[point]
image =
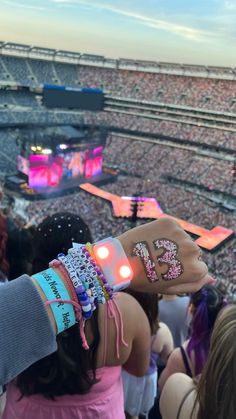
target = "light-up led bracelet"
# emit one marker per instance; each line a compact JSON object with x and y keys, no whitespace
{"x":113,"y":262}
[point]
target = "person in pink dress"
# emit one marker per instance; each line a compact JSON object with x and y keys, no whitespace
{"x":74,"y":382}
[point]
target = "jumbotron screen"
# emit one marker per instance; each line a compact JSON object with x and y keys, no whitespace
{"x":50,"y":170}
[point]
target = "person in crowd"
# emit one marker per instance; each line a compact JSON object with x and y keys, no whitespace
{"x":140,"y":392}
{"x":23,"y":303}
{"x":18,"y":250}
{"x":191,"y":357}
{"x":56,"y":234}
{"x":213,"y":396}
{"x":173,"y":311}
{"x":15,"y":249}
{"x":73,"y":381}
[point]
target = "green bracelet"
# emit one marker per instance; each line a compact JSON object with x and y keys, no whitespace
{"x":54,"y":289}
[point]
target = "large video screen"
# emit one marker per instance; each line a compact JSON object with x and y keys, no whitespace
{"x":93,"y":162}
{"x":39,"y":171}
{"x":93,"y":167}
{"x":73,"y":164}
{"x":73,"y":99}
{"x":48,"y":170}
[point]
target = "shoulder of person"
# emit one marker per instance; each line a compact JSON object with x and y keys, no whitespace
{"x":131,"y":310}
{"x":163,"y":333}
{"x":178,"y":390}
{"x":137,"y":330}
{"x":163,"y":328}
{"x":175,"y":357}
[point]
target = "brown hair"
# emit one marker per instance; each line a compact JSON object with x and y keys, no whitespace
{"x":71,"y":369}
{"x":217,"y":385}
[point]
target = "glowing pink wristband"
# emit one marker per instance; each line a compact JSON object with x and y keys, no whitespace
{"x":113,"y":262}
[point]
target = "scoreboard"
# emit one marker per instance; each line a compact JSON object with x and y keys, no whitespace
{"x":87,"y":99}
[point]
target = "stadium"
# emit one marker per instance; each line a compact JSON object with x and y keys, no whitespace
{"x":170,"y":134}
{"x":91,"y":147}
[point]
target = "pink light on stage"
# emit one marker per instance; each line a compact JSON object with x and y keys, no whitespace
{"x":93,"y":167}
{"x":97,"y":151}
{"x":55,"y":171}
{"x":45,"y":171}
{"x":38,"y":172}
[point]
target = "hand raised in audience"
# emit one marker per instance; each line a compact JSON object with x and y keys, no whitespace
{"x":164,"y":258}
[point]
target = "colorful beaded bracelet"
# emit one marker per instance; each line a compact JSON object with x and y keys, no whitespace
{"x":89,"y":282}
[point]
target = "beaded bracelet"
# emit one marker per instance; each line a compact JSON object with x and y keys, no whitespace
{"x":77,"y":307}
{"x":85,"y":296}
{"x":86,"y":272}
{"x":102,"y":279}
{"x":89,"y":283}
{"x":80,"y":289}
{"x":89,"y":275}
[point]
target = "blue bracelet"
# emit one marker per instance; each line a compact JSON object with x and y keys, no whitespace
{"x":54,"y":289}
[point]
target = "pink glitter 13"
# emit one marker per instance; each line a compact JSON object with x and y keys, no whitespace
{"x":169,"y":257}
{"x":141,"y":250}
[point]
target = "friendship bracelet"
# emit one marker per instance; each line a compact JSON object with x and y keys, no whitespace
{"x":85,"y":271}
{"x":88,"y":281}
{"x":108,"y":291}
{"x":55,"y":291}
{"x":77,"y":307}
{"x":87,"y":265}
{"x":65,"y":260}
{"x":58,"y":265}
{"x":83,"y":297}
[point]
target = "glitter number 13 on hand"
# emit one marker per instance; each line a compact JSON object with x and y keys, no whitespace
{"x":168,"y":257}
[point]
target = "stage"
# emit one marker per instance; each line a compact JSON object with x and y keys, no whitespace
{"x":16,"y":185}
{"x":58,"y":162}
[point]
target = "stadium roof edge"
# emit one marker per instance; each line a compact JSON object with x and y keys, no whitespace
{"x":76,"y":58}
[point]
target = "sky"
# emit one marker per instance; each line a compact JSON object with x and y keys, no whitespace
{"x":182,"y":31}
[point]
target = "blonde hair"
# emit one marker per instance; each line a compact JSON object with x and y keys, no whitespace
{"x":216,"y":394}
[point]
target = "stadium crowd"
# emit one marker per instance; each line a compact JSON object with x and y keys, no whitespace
{"x":165,"y":160}
{"x":195,"y":92}
{"x":71,"y":379}
{"x":214,"y":94}
{"x":199,"y":92}
{"x":148,"y":167}
{"x":180,"y":203}
{"x":195,"y":134}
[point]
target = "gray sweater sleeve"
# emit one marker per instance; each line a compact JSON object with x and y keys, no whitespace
{"x":26,"y":334}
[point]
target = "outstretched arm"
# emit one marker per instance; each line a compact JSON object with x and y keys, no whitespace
{"x":164,"y":258}
{"x":27,"y":329}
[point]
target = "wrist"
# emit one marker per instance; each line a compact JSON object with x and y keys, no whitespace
{"x":135,"y":262}
{"x":48,"y":308}
{"x":57,"y":297}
